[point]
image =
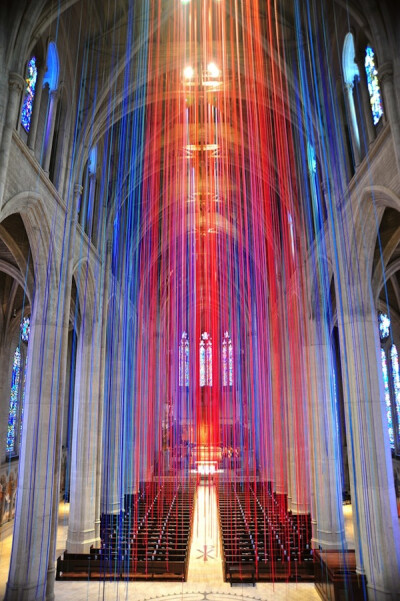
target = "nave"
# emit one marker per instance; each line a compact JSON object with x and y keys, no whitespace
{"x":205,"y":576}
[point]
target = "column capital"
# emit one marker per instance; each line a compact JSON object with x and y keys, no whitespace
{"x":15,"y":81}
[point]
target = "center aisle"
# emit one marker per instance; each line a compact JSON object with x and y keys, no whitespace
{"x":205,"y":561}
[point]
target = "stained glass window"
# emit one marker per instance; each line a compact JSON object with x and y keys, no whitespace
{"x":25,"y":329}
{"x":184,"y":360}
{"x":351,"y":74}
{"x":373,"y":85}
{"x":23,"y":399}
{"x":53,"y":67}
{"x":227,"y":361}
{"x":27,"y":106}
{"x":311,"y":160}
{"x":205,"y":360}
{"x":384,"y":325}
{"x":13,"y":416}
{"x":387,"y":398}
{"x":396,"y":382}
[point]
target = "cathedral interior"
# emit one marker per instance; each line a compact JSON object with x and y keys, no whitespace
{"x":200,"y":299}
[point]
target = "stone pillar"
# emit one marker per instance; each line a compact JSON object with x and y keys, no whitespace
{"x":65,"y":150}
{"x":114,"y":388}
{"x":365,"y":101}
{"x":390,"y":106}
{"x":15,"y":87}
{"x":298,"y":460}
{"x":33,"y":519}
{"x":376,"y":524}
{"x":278,"y":437}
{"x":49,"y":132}
{"x":352,"y":121}
{"x":327,"y":514}
{"x":41,"y":67}
{"x":81,"y":529}
{"x":66,"y":271}
{"x":297,"y":444}
{"x":103,"y":353}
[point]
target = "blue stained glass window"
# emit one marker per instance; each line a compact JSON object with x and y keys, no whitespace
{"x":205,"y":360}
{"x":13,"y":415}
{"x":23,"y":399}
{"x":384,"y":325}
{"x":387,"y":398}
{"x":396,"y":382}
{"x":53,"y":67}
{"x":184,"y":360}
{"x":27,"y":106}
{"x":25,"y":329}
{"x":227,"y":361}
{"x":311,"y":160}
{"x":373,"y":85}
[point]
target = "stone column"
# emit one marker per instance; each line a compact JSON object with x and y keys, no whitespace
{"x":41,"y":67}
{"x":49,"y":132}
{"x":390,"y":106}
{"x":66,"y":271}
{"x":15,"y":87}
{"x":296,"y":426}
{"x":298,"y":460}
{"x":327,"y":516}
{"x":365,"y":101}
{"x":103,"y":353}
{"x":376,"y":524}
{"x":65,"y":150}
{"x":114,"y":387}
{"x":32,"y":526}
{"x":278,"y":443}
{"x":81,"y":529}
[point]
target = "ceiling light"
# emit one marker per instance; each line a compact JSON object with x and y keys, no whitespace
{"x":213,"y":70}
{"x":188,"y":72}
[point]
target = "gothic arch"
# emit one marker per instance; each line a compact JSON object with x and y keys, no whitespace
{"x":30,"y":206}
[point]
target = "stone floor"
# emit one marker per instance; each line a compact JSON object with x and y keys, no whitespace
{"x":205,"y":581}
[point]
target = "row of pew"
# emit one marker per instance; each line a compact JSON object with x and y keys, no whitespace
{"x":149,"y":540}
{"x":261,"y":539}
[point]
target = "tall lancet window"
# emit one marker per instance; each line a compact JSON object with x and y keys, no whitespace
{"x":391,"y":381}
{"x":13,"y":415}
{"x":184,"y":360}
{"x":373,"y":85}
{"x":17,"y":393}
{"x":27,"y":105}
{"x":387,"y":398}
{"x":205,"y":360}
{"x":396,"y":384}
{"x":227,"y":361}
